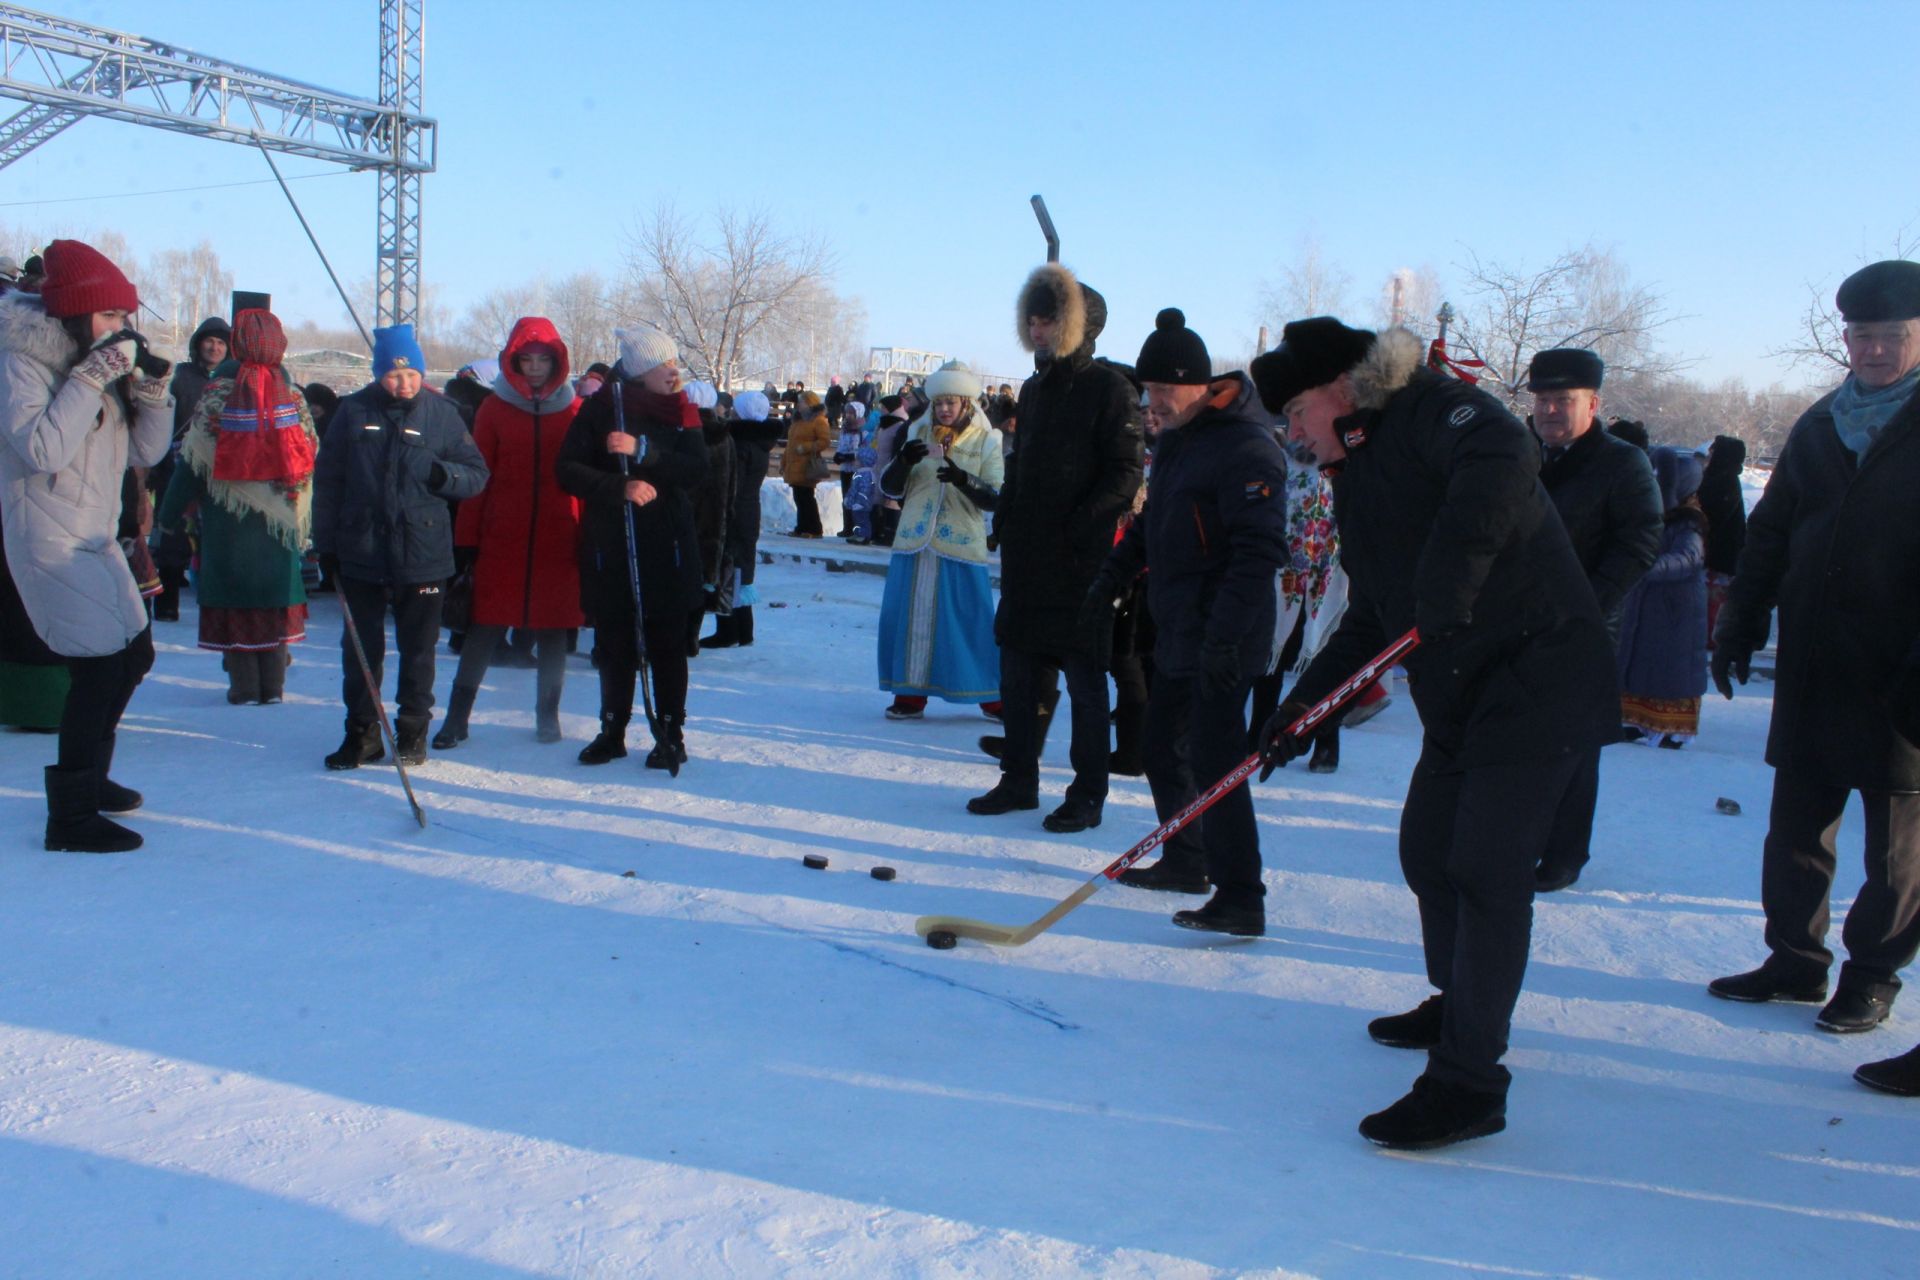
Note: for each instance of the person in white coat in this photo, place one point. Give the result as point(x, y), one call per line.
point(80, 402)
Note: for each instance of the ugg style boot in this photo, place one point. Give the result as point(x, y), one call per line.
point(549, 681)
point(113, 797)
point(273, 674)
point(453, 730)
point(74, 824)
point(243, 676)
point(362, 746)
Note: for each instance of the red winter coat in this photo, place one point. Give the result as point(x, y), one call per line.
point(525, 527)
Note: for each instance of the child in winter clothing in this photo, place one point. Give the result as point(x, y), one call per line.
point(862, 493)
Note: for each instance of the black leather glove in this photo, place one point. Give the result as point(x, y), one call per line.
point(1905, 704)
point(1277, 746)
point(1732, 660)
point(913, 451)
point(1219, 667)
point(464, 558)
point(950, 474)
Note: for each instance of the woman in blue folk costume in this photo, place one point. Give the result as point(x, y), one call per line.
point(936, 619)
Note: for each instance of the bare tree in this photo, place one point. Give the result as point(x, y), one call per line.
point(1583, 298)
point(585, 310)
point(1818, 348)
point(717, 297)
point(185, 287)
point(1310, 286)
point(485, 327)
point(1411, 296)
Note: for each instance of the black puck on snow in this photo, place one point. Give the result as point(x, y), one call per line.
point(815, 861)
point(941, 940)
point(881, 873)
point(1729, 807)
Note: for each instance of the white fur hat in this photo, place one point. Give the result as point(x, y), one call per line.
point(642, 350)
point(752, 405)
point(702, 394)
point(954, 378)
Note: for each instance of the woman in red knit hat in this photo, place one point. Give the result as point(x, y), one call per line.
point(79, 402)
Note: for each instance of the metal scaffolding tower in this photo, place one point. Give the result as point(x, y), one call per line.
point(68, 70)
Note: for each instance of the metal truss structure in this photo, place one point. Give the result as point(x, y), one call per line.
point(66, 70)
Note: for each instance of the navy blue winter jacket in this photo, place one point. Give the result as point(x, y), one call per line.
point(385, 473)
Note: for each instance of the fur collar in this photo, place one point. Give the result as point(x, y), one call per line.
point(1396, 355)
point(26, 329)
point(1063, 298)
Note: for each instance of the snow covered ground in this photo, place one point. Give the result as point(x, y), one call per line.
point(592, 1022)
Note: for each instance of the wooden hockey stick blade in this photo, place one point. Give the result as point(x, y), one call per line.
point(1001, 935)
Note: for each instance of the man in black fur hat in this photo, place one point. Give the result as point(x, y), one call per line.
point(1074, 470)
point(1444, 526)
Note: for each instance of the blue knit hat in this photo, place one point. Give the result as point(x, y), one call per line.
point(395, 348)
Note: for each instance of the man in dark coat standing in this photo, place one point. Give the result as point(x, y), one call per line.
point(394, 454)
point(1073, 474)
point(174, 556)
point(1610, 503)
point(1834, 544)
point(1212, 540)
point(1444, 525)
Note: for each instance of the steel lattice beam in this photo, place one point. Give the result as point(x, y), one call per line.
point(25, 130)
point(403, 36)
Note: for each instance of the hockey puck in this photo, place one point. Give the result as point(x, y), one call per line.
point(881, 873)
point(1729, 807)
point(815, 861)
point(941, 940)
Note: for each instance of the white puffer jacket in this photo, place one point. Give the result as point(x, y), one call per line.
point(64, 448)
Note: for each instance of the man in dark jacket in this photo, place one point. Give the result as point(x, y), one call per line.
point(207, 348)
point(1072, 476)
point(393, 456)
point(1211, 540)
point(1607, 498)
point(1835, 544)
point(1444, 526)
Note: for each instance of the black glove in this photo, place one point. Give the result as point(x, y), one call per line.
point(1732, 660)
point(464, 558)
point(1277, 746)
point(950, 474)
point(329, 566)
point(1905, 704)
point(913, 451)
point(144, 359)
point(1219, 667)
point(1095, 627)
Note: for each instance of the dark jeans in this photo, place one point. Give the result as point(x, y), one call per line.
point(1882, 930)
point(97, 696)
point(1193, 740)
point(416, 630)
point(1025, 679)
point(1572, 833)
point(1469, 842)
point(807, 511)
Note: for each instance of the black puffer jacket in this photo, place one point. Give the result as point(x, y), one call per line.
point(1444, 524)
point(667, 549)
point(1609, 501)
point(381, 485)
point(1836, 545)
point(1213, 535)
point(752, 449)
point(1075, 467)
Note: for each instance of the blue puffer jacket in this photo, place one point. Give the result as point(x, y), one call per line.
point(1213, 534)
point(1663, 628)
point(381, 485)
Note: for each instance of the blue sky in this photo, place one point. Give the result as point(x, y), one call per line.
point(1729, 153)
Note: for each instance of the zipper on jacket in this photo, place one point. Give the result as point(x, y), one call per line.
point(533, 525)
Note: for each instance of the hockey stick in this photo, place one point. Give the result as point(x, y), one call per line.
point(633, 580)
point(1008, 936)
point(379, 707)
point(1046, 229)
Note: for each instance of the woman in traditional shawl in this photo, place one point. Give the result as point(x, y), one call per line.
point(246, 464)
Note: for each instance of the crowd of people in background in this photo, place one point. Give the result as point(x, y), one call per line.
point(1203, 557)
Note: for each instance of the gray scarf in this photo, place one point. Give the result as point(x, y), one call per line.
point(1861, 414)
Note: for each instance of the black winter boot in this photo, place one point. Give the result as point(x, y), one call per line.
point(1417, 1028)
point(1243, 915)
point(453, 729)
point(742, 616)
point(1171, 874)
point(362, 746)
point(1899, 1075)
point(724, 633)
point(243, 676)
point(113, 797)
point(1129, 730)
point(74, 824)
point(670, 752)
point(410, 739)
point(1326, 753)
point(1005, 797)
point(612, 742)
point(1436, 1114)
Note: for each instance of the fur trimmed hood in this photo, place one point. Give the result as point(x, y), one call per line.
point(1397, 354)
point(1053, 289)
point(26, 329)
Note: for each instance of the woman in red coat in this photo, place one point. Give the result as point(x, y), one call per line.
point(519, 535)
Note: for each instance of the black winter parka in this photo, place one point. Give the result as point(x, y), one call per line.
point(1213, 535)
point(381, 485)
point(1444, 524)
point(1835, 544)
point(1604, 490)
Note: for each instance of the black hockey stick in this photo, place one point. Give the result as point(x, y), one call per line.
point(633, 580)
point(379, 707)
